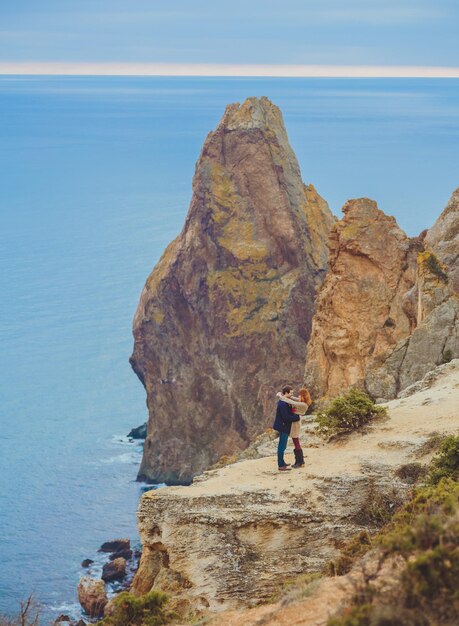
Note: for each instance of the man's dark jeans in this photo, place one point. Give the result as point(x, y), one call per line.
point(283, 439)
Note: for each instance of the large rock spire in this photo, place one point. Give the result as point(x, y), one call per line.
point(224, 317)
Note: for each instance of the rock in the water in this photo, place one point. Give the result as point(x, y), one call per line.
point(125, 554)
point(224, 317)
point(363, 308)
point(86, 562)
point(62, 620)
point(140, 432)
point(92, 596)
point(114, 570)
point(115, 545)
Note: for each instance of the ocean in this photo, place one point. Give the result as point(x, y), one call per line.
point(95, 182)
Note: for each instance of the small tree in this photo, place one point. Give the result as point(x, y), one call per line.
point(29, 614)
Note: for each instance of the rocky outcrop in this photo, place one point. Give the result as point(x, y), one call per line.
point(443, 240)
point(387, 312)
point(230, 538)
point(92, 596)
point(139, 432)
point(313, 603)
point(115, 545)
point(435, 338)
point(226, 314)
point(364, 307)
point(114, 570)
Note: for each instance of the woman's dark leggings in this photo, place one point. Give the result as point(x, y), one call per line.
point(296, 443)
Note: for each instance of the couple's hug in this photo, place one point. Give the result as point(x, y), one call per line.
point(287, 423)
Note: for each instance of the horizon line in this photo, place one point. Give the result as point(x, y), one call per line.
point(55, 68)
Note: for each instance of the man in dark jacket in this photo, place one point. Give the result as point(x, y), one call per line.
point(283, 423)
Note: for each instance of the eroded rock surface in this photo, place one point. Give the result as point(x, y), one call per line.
point(364, 307)
point(388, 309)
point(435, 339)
point(443, 239)
point(92, 596)
point(225, 316)
point(240, 530)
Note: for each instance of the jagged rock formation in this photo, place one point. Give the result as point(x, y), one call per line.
point(436, 292)
point(225, 316)
point(92, 596)
point(388, 310)
point(315, 603)
point(231, 537)
point(443, 239)
point(362, 308)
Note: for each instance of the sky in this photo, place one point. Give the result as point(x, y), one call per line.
point(198, 33)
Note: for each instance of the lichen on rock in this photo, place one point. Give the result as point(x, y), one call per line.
point(224, 318)
point(435, 338)
point(387, 312)
point(361, 310)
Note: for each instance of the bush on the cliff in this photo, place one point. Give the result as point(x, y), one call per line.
point(425, 533)
point(429, 260)
point(431, 444)
point(446, 463)
point(347, 413)
point(421, 524)
point(350, 552)
point(146, 610)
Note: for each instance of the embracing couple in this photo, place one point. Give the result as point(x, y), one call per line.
point(287, 423)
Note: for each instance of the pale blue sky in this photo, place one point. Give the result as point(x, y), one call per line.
point(355, 32)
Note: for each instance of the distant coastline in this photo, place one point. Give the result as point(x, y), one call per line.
point(55, 68)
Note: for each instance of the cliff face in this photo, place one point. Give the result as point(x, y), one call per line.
point(436, 294)
point(443, 240)
point(388, 310)
point(363, 308)
point(224, 317)
point(237, 532)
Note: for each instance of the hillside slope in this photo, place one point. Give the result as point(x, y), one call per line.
point(239, 530)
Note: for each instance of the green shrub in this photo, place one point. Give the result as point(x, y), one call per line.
point(297, 588)
point(425, 531)
point(431, 444)
point(421, 523)
point(446, 463)
point(431, 581)
point(434, 265)
point(146, 610)
point(348, 413)
point(356, 547)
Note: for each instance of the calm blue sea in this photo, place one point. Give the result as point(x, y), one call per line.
point(95, 181)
